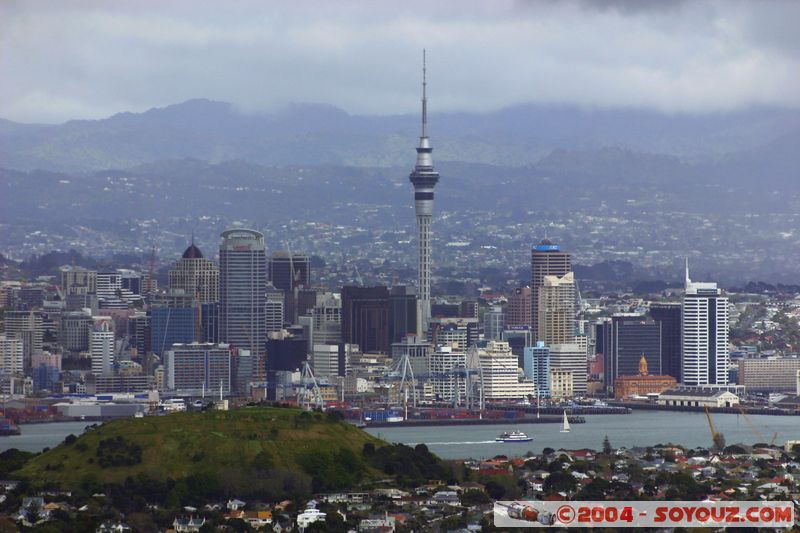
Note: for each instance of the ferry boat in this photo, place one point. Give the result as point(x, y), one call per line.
point(513, 436)
point(7, 427)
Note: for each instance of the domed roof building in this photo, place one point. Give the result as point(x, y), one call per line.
point(195, 275)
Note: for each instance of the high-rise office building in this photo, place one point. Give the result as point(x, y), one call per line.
point(494, 322)
point(10, 355)
point(110, 292)
point(705, 360)
point(572, 358)
point(195, 275)
point(556, 310)
point(447, 384)
point(365, 318)
point(326, 318)
point(769, 374)
point(468, 309)
point(547, 259)
point(275, 309)
point(75, 327)
point(331, 360)
point(242, 291)
point(27, 326)
point(101, 345)
point(501, 379)
point(28, 298)
point(171, 325)
point(290, 273)
point(630, 337)
point(448, 331)
point(78, 280)
point(669, 315)
point(537, 368)
point(424, 179)
point(132, 281)
point(193, 368)
point(519, 308)
point(139, 333)
point(519, 338)
point(402, 313)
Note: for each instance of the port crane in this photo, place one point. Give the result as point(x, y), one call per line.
point(717, 438)
point(308, 393)
point(754, 429)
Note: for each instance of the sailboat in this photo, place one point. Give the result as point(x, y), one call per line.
point(565, 425)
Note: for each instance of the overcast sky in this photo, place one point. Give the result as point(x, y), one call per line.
point(61, 60)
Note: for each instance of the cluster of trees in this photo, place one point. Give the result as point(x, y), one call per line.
point(411, 466)
point(118, 452)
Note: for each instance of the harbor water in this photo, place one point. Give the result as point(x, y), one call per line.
point(640, 428)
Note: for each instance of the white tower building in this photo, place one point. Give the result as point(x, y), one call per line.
point(101, 346)
point(424, 179)
point(705, 359)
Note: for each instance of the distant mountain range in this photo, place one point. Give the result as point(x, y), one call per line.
point(308, 134)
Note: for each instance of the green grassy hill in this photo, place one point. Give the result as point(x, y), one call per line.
point(202, 445)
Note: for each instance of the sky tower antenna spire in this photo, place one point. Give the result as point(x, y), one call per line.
point(424, 95)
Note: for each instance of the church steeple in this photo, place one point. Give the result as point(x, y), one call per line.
point(643, 366)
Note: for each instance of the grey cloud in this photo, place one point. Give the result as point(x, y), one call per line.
point(90, 59)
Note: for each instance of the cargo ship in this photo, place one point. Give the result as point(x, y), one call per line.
point(7, 427)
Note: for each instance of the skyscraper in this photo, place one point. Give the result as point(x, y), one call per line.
point(556, 310)
point(290, 272)
point(101, 346)
point(274, 308)
point(402, 313)
point(537, 368)
point(242, 290)
point(705, 359)
point(630, 337)
point(78, 280)
point(194, 368)
point(571, 358)
point(494, 322)
point(501, 373)
point(11, 360)
point(520, 306)
point(365, 318)
point(27, 326)
point(547, 259)
point(424, 179)
point(196, 275)
point(669, 314)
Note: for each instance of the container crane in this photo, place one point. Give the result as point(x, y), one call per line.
point(717, 438)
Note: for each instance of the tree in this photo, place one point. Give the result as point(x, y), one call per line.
point(559, 482)
point(33, 512)
point(607, 449)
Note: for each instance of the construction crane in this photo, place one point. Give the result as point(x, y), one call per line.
point(752, 426)
point(755, 430)
point(717, 438)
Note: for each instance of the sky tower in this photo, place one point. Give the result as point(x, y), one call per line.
point(424, 179)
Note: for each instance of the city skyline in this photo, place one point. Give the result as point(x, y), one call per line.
point(218, 312)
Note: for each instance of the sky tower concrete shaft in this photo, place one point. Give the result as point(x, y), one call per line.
point(424, 179)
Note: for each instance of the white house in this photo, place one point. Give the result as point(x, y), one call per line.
point(308, 517)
